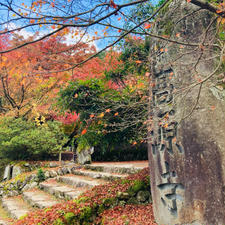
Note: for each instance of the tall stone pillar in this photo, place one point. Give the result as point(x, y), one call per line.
point(187, 143)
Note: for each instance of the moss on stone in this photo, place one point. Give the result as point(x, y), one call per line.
point(137, 186)
point(58, 222)
point(69, 217)
point(86, 214)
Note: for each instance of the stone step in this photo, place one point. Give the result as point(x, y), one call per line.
point(39, 199)
point(99, 175)
point(16, 207)
point(114, 168)
point(80, 181)
point(3, 222)
point(60, 190)
point(4, 217)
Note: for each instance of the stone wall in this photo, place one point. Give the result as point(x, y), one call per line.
point(24, 182)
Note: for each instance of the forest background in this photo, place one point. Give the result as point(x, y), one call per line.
point(46, 106)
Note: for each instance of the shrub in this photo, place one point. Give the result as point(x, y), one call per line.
point(108, 118)
point(40, 175)
point(69, 217)
point(21, 139)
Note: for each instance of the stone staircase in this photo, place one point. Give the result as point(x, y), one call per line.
point(62, 188)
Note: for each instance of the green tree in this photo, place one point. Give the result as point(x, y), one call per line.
point(22, 140)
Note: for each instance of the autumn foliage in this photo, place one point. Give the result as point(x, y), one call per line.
point(128, 214)
point(31, 77)
point(92, 203)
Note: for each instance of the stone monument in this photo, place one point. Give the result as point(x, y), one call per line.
point(187, 140)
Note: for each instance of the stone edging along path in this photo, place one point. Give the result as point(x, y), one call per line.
point(20, 196)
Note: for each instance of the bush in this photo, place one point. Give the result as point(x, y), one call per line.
point(40, 175)
point(108, 118)
point(21, 139)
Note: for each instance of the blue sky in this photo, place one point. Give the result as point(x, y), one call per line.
point(23, 7)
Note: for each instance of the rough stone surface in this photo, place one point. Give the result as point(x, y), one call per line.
point(78, 181)
point(60, 190)
point(53, 173)
point(84, 157)
point(143, 196)
point(187, 151)
point(53, 164)
point(59, 172)
point(98, 175)
point(3, 222)
point(47, 174)
point(39, 199)
point(30, 186)
point(15, 207)
point(65, 170)
point(110, 168)
point(16, 170)
point(123, 195)
point(7, 173)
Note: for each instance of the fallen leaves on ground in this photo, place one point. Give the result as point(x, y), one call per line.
point(129, 214)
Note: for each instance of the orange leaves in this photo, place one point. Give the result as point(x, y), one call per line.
point(65, 31)
point(219, 11)
point(112, 4)
point(147, 74)
point(221, 8)
point(92, 116)
point(171, 75)
point(119, 19)
point(101, 115)
point(163, 50)
point(84, 131)
point(116, 114)
point(165, 125)
point(138, 61)
point(107, 110)
point(147, 26)
point(32, 21)
point(221, 20)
